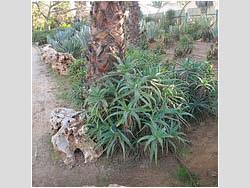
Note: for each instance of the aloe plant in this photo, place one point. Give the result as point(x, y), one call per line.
point(145, 102)
point(152, 29)
point(184, 46)
point(71, 40)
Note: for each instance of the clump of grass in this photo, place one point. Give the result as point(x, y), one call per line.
point(189, 179)
point(77, 73)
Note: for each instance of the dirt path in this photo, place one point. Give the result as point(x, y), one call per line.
point(49, 170)
point(201, 157)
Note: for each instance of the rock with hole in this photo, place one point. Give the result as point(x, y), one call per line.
point(70, 134)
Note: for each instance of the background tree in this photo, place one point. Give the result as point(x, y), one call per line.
point(133, 23)
point(50, 14)
point(81, 10)
point(159, 5)
point(108, 41)
point(204, 5)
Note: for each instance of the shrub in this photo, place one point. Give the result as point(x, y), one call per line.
point(167, 39)
point(145, 103)
point(167, 20)
point(190, 28)
point(152, 30)
point(132, 105)
point(174, 31)
point(144, 56)
point(201, 81)
point(143, 43)
point(40, 37)
point(201, 28)
point(70, 40)
point(205, 29)
point(184, 46)
point(77, 73)
point(212, 54)
point(148, 19)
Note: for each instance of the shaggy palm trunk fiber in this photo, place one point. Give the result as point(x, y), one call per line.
point(108, 41)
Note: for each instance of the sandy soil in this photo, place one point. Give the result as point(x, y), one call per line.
point(49, 170)
point(201, 157)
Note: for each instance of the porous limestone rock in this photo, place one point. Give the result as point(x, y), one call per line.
point(59, 61)
point(70, 134)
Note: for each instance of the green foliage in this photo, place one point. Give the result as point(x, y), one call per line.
point(48, 15)
point(167, 20)
point(40, 37)
point(174, 31)
point(71, 40)
point(144, 102)
point(158, 4)
point(205, 31)
point(152, 29)
point(212, 54)
point(187, 178)
point(184, 46)
point(215, 32)
point(143, 56)
point(190, 28)
point(143, 44)
point(168, 40)
point(77, 72)
point(201, 28)
point(148, 19)
point(82, 25)
point(202, 84)
point(160, 48)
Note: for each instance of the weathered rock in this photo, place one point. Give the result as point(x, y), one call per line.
point(70, 134)
point(59, 61)
point(48, 53)
point(58, 114)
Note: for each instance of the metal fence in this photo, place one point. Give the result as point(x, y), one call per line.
point(190, 15)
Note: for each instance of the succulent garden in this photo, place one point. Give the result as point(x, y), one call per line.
point(135, 77)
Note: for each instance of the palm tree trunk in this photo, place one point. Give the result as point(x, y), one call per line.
point(133, 23)
point(107, 32)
